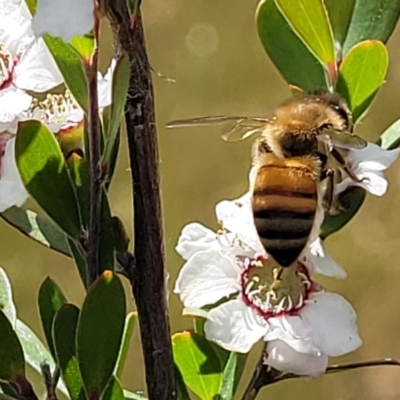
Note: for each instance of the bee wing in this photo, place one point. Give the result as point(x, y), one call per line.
point(233, 127)
point(345, 140)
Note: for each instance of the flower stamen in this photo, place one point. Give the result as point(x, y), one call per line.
point(6, 66)
point(272, 290)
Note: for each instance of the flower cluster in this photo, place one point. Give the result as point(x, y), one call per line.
point(27, 69)
point(301, 323)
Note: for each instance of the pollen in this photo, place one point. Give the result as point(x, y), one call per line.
point(54, 109)
point(271, 289)
point(6, 66)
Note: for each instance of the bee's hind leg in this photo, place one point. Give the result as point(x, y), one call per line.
point(330, 201)
point(342, 162)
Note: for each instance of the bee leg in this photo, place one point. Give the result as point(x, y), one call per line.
point(330, 201)
point(339, 158)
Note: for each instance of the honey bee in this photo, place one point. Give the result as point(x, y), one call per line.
point(302, 145)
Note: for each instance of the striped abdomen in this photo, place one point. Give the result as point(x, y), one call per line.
point(284, 206)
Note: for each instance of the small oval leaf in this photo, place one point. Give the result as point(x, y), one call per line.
point(70, 64)
point(291, 57)
point(35, 352)
point(64, 334)
point(41, 229)
point(352, 199)
point(12, 363)
point(340, 13)
point(309, 20)
point(198, 363)
point(120, 83)
point(390, 139)
point(6, 300)
point(45, 176)
point(113, 390)
point(361, 74)
point(371, 20)
point(100, 330)
point(51, 298)
point(130, 322)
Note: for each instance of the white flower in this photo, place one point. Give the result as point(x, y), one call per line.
point(61, 112)
point(302, 324)
point(25, 61)
point(64, 18)
point(12, 190)
point(368, 165)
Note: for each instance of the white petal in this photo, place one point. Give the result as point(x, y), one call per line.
point(237, 217)
point(320, 262)
point(64, 18)
point(234, 326)
point(12, 103)
point(375, 183)
point(283, 358)
point(13, 28)
point(292, 330)
point(36, 70)
point(207, 277)
point(12, 190)
point(195, 237)
point(9, 7)
point(332, 321)
point(373, 157)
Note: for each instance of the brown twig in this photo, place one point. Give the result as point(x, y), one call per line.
point(148, 274)
point(263, 375)
point(50, 381)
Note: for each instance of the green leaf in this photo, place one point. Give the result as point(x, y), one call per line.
point(7, 305)
point(309, 20)
point(113, 390)
point(120, 84)
point(64, 334)
point(292, 58)
point(361, 74)
point(70, 64)
point(351, 200)
point(228, 378)
point(107, 242)
point(45, 176)
point(100, 330)
point(340, 13)
point(198, 363)
point(7, 397)
point(40, 229)
point(130, 322)
point(12, 363)
point(79, 172)
point(51, 298)
point(121, 239)
point(371, 20)
point(79, 261)
point(9, 390)
point(181, 390)
point(390, 139)
point(84, 45)
point(78, 168)
point(31, 5)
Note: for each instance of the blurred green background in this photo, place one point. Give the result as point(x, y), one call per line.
point(212, 51)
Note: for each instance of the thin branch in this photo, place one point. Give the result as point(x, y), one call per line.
point(50, 381)
point(148, 274)
point(93, 243)
point(263, 375)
